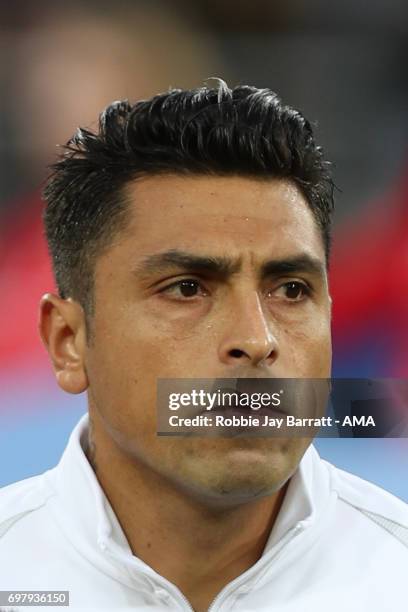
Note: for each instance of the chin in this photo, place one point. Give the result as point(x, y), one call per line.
point(238, 479)
point(232, 493)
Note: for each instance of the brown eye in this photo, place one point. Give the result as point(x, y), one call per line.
point(185, 288)
point(294, 290)
point(188, 288)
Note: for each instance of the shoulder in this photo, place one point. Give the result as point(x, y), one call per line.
point(372, 502)
point(21, 499)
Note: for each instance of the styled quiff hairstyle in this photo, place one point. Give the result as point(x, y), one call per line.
point(244, 131)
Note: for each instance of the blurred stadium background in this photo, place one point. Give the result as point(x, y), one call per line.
point(344, 64)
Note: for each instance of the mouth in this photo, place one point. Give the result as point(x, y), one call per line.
point(235, 410)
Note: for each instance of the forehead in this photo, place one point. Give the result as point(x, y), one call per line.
point(229, 214)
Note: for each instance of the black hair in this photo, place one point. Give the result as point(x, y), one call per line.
point(242, 131)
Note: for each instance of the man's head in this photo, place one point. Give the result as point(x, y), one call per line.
point(190, 238)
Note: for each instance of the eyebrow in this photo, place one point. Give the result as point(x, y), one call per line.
point(224, 267)
point(298, 263)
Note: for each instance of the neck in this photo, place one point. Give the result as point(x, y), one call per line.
point(198, 548)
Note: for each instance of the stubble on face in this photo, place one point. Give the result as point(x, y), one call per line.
point(144, 329)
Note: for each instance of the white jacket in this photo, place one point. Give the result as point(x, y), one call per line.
point(339, 544)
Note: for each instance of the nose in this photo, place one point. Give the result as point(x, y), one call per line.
point(248, 339)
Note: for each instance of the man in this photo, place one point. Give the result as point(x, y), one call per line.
point(190, 238)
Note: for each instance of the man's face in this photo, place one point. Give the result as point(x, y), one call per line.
point(246, 320)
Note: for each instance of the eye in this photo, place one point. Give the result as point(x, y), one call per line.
point(184, 289)
point(293, 291)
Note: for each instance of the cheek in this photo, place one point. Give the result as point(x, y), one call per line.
point(307, 349)
point(123, 365)
point(166, 342)
point(124, 395)
point(178, 334)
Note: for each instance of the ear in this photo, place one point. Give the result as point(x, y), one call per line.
point(63, 332)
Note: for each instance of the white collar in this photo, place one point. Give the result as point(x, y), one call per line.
point(90, 519)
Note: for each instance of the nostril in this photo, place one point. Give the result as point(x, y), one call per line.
point(236, 353)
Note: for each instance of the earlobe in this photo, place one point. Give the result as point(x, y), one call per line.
point(63, 332)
